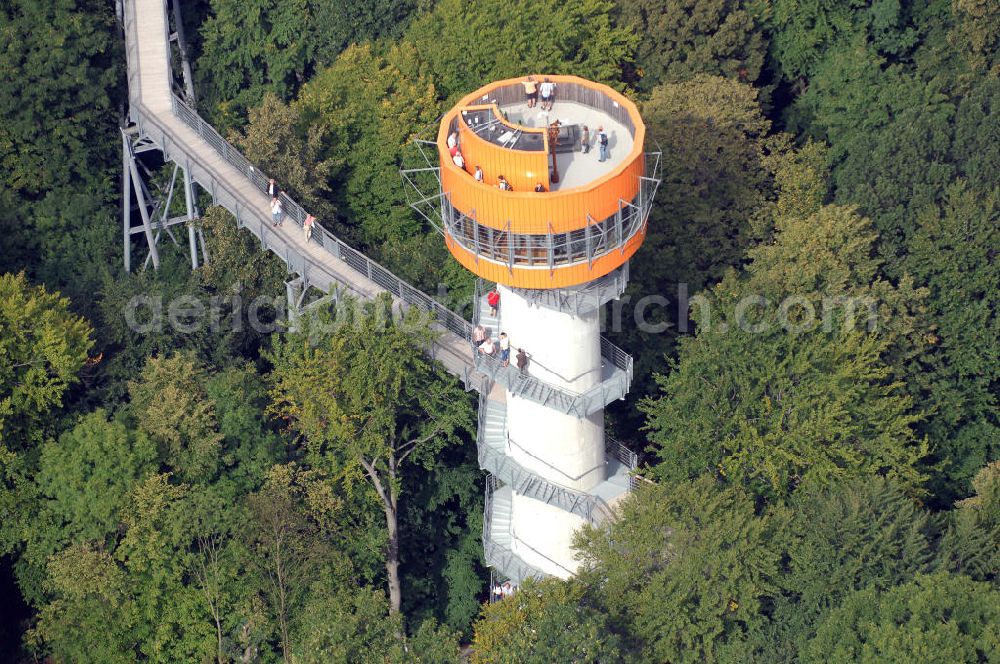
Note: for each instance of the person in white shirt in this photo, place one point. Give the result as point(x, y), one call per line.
point(548, 92)
point(504, 349)
point(459, 160)
point(452, 139)
point(478, 174)
point(275, 211)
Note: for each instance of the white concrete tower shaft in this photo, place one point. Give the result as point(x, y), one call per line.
point(565, 352)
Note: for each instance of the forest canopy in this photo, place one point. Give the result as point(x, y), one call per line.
point(817, 419)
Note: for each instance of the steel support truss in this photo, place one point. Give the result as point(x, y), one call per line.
point(154, 206)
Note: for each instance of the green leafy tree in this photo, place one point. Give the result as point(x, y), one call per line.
point(61, 71)
point(952, 252)
point(155, 554)
point(441, 540)
point(782, 384)
point(43, 346)
point(250, 445)
point(713, 135)
point(528, 36)
point(847, 536)
point(971, 541)
point(682, 38)
point(977, 32)
point(158, 312)
point(369, 107)
point(339, 24)
point(684, 570)
point(839, 539)
point(547, 621)
point(170, 404)
point(368, 404)
point(92, 615)
point(279, 141)
point(349, 624)
point(80, 485)
point(940, 618)
point(60, 65)
point(289, 520)
point(803, 34)
point(238, 267)
point(250, 48)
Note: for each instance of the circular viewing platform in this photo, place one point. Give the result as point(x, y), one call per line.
point(566, 216)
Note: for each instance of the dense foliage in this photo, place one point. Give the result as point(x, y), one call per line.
point(817, 408)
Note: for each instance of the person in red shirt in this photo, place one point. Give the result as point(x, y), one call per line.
point(493, 299)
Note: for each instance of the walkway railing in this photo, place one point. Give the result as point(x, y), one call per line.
point(354, 259)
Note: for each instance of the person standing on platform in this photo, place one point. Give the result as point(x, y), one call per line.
point(276, 211)
point(493, 299)
point(503, 184)
point(272, 189)
point(548, 90)
point(530, 91)
point(307, 226)
point(478, 174)
point(585, 140)
point(602, 143)
point(504, 349)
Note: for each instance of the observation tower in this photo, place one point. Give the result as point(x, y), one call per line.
point(557, 256)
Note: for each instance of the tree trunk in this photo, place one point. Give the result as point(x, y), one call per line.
point(387, 493)
point(392, 556)
point(392, 560)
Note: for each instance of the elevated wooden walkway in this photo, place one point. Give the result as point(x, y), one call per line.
point(324, 262)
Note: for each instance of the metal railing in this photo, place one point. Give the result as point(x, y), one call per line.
point(527, 386)
point(616, 450)
point(585, 244)
point(583, 299)
point(523, 384)
point(336, 247)
point(501, 555)
point(527, 483)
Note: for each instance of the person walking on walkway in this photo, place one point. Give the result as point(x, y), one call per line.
point(272, 189)
point(478, 335)
point(307, 226)
point(602, 143)
point(522, 360)
point(275, 211)
point(493, 299)
point(504, 349)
